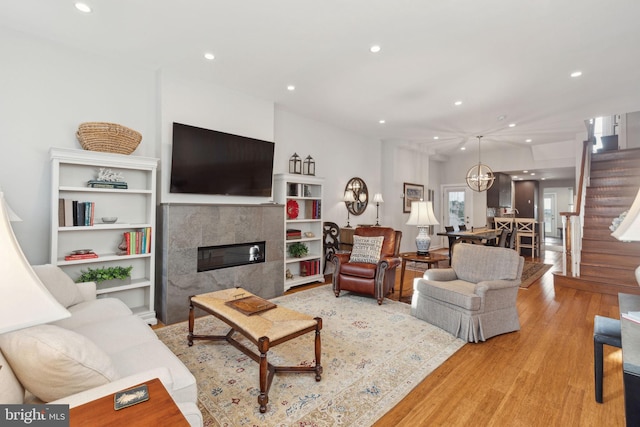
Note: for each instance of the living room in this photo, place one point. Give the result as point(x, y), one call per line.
point(50, 86)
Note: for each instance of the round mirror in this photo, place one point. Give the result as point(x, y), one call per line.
point(360, 196)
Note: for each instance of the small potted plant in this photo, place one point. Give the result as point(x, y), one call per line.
point(107, 276)
point(298, 250)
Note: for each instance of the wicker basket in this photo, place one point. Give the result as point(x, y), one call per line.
point(108, 137)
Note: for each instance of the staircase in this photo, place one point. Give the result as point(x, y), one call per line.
point(608, 265)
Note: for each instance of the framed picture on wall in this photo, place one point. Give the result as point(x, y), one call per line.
point(412, 193)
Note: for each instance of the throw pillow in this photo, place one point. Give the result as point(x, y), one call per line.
point(366, 249)
point(59, 284)
point(52, 362)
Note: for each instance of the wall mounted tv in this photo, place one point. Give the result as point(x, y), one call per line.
point(206, 161)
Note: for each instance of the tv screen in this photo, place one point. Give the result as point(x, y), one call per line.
point(211, 162)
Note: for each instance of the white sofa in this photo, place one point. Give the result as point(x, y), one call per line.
point(102, 348)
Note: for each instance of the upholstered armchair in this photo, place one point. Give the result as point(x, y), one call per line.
point(370, 268)
point(474, 299)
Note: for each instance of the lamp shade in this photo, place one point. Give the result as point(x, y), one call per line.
point(24, 300)
point(629, 228)
point(377, 198)
point(349, 197)
point(422, 214)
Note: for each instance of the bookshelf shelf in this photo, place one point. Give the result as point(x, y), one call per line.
point(306, 192)
point(134, 207)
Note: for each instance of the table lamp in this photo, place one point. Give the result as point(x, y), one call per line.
point(348, 198)
point(377, 199)
point(24, 300)
point(422, 216)
point(629, 228)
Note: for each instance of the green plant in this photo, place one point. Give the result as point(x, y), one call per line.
point(104, 273)
point(298, 250)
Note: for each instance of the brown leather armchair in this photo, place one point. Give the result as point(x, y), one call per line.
point(369, 279)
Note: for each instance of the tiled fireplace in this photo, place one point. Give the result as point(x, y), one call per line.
point(189, 232)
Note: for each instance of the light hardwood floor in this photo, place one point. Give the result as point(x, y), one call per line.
point(539, 376)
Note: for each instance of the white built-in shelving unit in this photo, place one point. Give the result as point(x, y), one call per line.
point(135, 208)
point(302, 197)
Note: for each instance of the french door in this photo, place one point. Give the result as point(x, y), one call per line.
point(456, 205)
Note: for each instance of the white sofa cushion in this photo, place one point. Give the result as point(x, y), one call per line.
point(366, 249)
point(114, 335)
point(59, 284)
point(52, 362)
point(155, 354)
point(94, 311)
point(11, 391)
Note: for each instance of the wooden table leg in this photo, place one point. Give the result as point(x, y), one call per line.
point(263, 398)
point(404, 264)
point(318, 349)
point(191, 323)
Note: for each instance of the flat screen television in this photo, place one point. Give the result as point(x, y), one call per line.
point(205, 161)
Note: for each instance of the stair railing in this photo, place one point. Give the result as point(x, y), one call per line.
point(572, 222)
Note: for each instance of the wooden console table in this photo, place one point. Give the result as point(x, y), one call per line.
point(159, 410)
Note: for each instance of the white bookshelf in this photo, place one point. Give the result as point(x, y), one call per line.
point(305, 191)
point(135, 208)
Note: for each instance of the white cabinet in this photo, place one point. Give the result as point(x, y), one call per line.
point(302, 197)
point(134, 207)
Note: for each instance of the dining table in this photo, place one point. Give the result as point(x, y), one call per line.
point(476, 236)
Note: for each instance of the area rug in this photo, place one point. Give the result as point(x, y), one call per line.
point(372, 356)
point(532, 271)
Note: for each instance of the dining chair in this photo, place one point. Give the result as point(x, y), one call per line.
point(501, 223)
point(527, 236)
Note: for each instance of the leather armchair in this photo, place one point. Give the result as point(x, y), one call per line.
point(369, 279)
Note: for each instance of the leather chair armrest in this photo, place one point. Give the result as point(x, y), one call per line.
point(392, 262)
point(440, 274)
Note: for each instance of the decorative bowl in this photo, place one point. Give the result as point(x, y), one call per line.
point(109, 219)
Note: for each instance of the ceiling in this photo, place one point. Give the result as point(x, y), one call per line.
point(507, 61)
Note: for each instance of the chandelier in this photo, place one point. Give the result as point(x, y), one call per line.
point(480, 177)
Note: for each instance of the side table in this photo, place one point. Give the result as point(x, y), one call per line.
point(430, 259)
point(159, 410)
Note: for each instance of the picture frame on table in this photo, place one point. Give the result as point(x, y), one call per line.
point(411, 193)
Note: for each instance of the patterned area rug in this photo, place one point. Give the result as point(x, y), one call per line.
point(532, 271)
point(372, 356)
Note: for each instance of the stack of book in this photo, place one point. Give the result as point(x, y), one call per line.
point(107, 184)
point(293, 234)
point(310, 268)
point(312, 209)
point(78, 255)
point(138, 242)
point(72, 213)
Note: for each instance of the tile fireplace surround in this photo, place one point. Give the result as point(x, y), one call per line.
point(182, 228)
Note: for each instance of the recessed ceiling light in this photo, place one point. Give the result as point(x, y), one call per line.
point(291, 88)
point(576, 74)
point(463, 148)
point(382, 121)
point(542, 179)
point(515, 176)
point(528, 140)
point(532, 173)
point(512, 125)
point(83, 7)
point(436, 137)
point(374, 49)
point(209, 56)
point(525, 171)
point(457, 103)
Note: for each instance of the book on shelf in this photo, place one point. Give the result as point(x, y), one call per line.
point(312, 209)
point(137, 242)
point(293, 234)
point(107, 184)
point(309, 268)
point(74, 257)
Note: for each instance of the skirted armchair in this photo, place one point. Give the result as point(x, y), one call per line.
point(474, 299)
point(370, 268)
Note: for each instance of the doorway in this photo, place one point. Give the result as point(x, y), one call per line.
point(456, 209)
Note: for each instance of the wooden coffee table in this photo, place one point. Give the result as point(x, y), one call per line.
point(430, 260)
point(265, 329)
